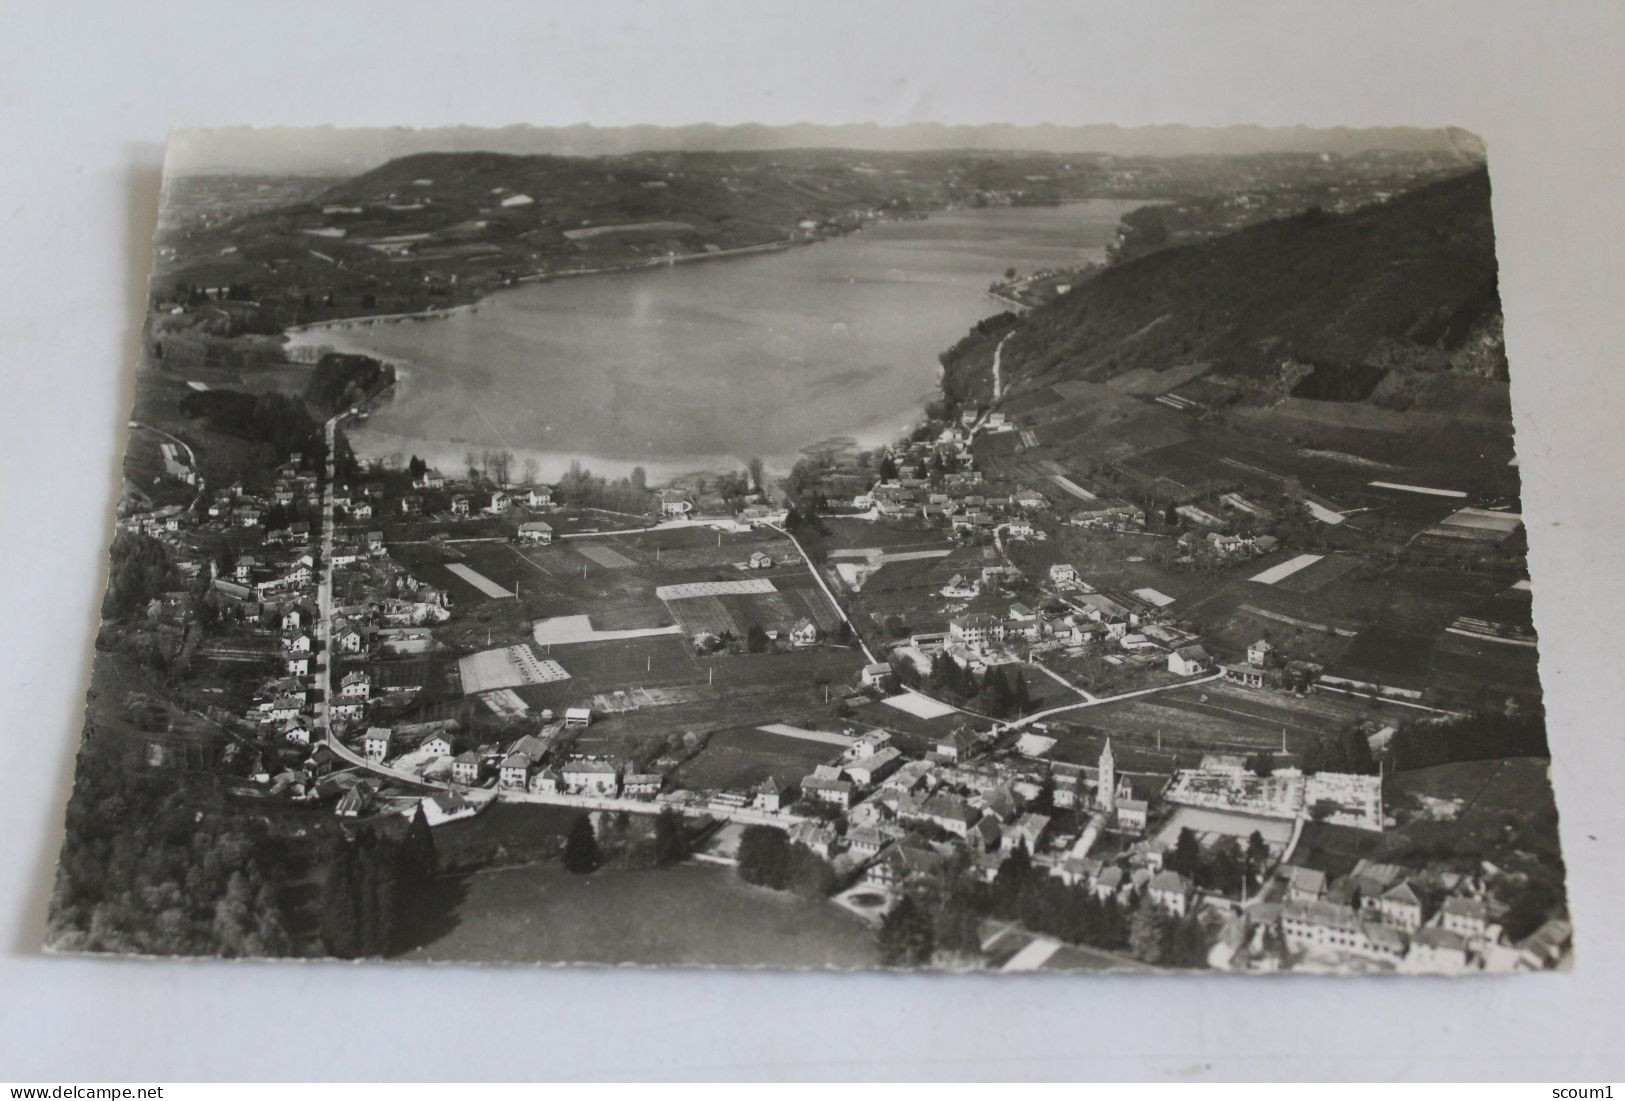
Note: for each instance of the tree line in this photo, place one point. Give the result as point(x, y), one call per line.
point(1483, 735)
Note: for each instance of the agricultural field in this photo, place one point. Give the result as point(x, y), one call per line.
point(733, 608)
point(1469, 672)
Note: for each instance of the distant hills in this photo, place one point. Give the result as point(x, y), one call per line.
point(334, 151)
point(1366, 306)
point(429, 229)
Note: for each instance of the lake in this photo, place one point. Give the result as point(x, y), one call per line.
point(699, 366)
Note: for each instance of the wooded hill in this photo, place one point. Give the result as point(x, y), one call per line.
point(1322, 306)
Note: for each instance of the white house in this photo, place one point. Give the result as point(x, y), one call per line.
point(465, 767)
point(1188, 661)
point(592, 777)
point(375, 743)
point(515, 771)
point(346, 710)
point(356, 685)
point(535, 531)
point(1171, 892)
point(770, 794)
point(976, 631)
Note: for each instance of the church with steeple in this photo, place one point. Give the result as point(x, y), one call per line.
point(1114, 795)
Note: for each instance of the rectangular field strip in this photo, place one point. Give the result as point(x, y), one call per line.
point(705, 615)
point(1286, 569)
point(508, 667)
point(478, 580)
point(1427, 490)
point(921, 707)
point(607, 557)
point(691, 589)
point(787, 731)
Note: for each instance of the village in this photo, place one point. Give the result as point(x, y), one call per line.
point(888, 657)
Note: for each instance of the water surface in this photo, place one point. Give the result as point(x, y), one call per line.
point(701, 365)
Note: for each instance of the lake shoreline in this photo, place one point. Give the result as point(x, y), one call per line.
point(441, 313)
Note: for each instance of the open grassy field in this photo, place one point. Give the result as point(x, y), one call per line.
point(690, 915)
point(742, 757)
point(1467, 672)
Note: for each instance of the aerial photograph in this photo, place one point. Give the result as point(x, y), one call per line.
point(956, 548)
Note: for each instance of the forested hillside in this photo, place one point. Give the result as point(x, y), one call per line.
point(1349, 307)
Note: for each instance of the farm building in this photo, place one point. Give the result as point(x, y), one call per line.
point(535, 531)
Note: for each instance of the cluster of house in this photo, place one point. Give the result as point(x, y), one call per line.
point(1387, 916)
point(677, 503)
point(960, 500)
point(466, 500)
point(1073, 617)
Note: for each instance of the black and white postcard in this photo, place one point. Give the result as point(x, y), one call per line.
point(981, 548)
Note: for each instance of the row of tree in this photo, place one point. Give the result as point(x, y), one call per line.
point(584, 489)
point(1483, 735)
